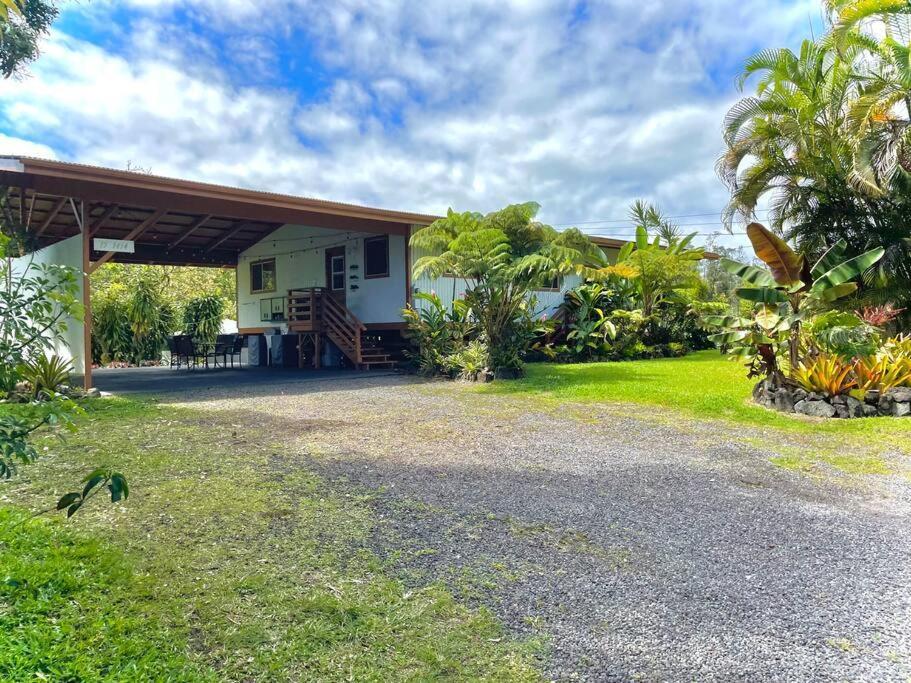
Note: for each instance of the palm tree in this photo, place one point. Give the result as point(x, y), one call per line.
point(876, 34)
point(792, 142)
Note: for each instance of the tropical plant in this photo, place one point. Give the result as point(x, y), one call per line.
point(470, 362)
point(661, 266)
point(202, 319)
point(46, 374)
point(825, 374)
point(37, 302)
point(879, 316)
point(588, 327)
point(783, 295)
point(898, 346)
point(435, 332)
point(503, 256)
point(797, 143)
point(112, 334)
point(881, 372)
point(22, 24)
point(843, 334)
point(877, 34)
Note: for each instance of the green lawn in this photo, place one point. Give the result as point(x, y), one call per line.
point(703, 385)
point(228, 562)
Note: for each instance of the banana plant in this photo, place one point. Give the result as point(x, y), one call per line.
point(783, 294)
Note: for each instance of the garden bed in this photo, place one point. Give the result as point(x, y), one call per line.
point(894, 402)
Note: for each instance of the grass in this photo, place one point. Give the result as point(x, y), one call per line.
point(705, 386)
point(229, 561)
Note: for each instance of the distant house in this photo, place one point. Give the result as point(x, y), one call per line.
point(331, 272)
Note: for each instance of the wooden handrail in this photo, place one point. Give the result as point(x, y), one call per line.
point(316, 306)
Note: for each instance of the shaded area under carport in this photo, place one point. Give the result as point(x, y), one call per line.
point(163, 380)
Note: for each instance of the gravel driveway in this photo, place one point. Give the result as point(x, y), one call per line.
point(634, 550)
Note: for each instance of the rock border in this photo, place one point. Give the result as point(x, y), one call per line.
point(894, 403)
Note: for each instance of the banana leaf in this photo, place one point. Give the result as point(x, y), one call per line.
point(783, 261)
point(749, 274)
point(833, 256)
point(848, 270)
point(730, 337)
point(761, 295)
point(727, 321)
point(837, 292)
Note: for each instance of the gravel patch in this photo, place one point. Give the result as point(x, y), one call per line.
point(636, 550)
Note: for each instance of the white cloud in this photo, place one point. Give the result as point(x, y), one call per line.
point(26, 148)
point(471, 104)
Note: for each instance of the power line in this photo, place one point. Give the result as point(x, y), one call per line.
point(629, 220)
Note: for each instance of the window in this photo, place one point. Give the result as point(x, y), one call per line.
point(376, 256)
point(554, 285)
point(262, 276)
point(338, 273)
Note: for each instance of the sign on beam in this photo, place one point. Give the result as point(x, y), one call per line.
point(119, 246)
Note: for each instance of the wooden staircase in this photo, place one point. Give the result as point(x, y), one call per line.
point(316, 313)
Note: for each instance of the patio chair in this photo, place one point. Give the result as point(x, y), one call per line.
point(224, 343)
point(235, 350)
point(185, 350)
point(172, 350)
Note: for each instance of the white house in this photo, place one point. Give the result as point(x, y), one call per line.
point(337, 275)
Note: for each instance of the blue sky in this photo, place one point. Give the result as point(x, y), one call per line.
point(581, 106)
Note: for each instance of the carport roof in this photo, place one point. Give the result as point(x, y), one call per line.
point(172, 221)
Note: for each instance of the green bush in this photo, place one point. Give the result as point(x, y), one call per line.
point(435, 333)
point(470, 362)
point(132, 325)
point(46, 374)
point(202, 319)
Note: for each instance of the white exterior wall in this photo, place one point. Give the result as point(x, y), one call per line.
point(65, 253)
point(300, 262)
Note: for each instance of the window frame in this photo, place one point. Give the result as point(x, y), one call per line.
point(377, 238)
point(559, 288)
point(262, 262)
point(333, 273)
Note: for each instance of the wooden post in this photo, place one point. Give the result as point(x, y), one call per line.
point(86, 299)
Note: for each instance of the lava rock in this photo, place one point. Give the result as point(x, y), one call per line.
point(815, 408)
point(900, 394)
point(784, 401)
point(855, 407)
point(901, 409)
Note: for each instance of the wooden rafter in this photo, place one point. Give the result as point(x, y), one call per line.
point(233, 232)
point(132, 235)
point(102, 219)
point(52, 214)
point(192, 228)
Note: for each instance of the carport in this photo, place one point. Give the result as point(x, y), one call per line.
point(131, 217)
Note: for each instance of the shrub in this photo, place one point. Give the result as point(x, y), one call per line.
point(826, 374)
point(470, 362)
point(842, 333)
point(35, 303)
point(111, 333)
point(46, 374)
point(882, 372)
point(202, 319)
point(435, 333)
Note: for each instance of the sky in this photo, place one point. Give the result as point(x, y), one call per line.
point(419, 106)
